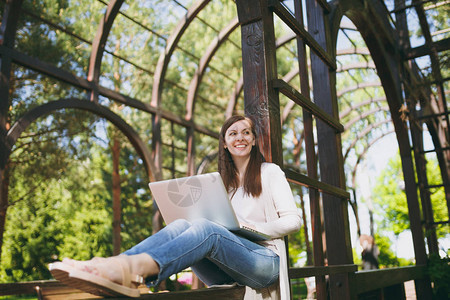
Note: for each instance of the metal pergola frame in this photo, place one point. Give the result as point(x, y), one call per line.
point(393, 59)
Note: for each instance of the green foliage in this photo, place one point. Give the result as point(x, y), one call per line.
point(392, 210)
point(50, 213)
point(297, 251)
point(390, 199)
point(356, 257)
point(297, 240)
point(299, 289)
point(137, 208)
point(387, 258)
point(437, 195)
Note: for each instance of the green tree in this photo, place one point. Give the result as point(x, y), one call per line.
point(391, 207)
point(42, 199)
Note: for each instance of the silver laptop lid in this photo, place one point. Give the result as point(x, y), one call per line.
point(199, 196)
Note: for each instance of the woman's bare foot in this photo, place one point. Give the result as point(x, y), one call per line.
point(140, 264)
point(78, 263)
point(108, 268)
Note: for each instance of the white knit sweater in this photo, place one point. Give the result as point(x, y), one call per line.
point(274, 213)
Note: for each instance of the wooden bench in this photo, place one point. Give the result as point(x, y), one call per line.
point(44, 289)
point(54, 290)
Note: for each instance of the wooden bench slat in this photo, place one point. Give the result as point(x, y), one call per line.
point(54, 290)
point(225, 293)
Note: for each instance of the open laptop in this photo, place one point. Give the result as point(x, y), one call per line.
point(199, 196)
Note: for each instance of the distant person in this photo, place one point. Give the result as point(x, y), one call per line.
point(370, 252)
point(261, 198)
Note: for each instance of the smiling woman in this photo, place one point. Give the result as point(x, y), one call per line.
point(313, 76)
point(239, 141)
point(262, 199)
point(235, 138)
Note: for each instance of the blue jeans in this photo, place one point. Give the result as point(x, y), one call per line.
point(216, 255)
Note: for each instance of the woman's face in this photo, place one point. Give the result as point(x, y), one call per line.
point(239, 139)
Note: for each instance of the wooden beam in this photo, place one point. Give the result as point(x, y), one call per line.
point(316, 184)
point(304, 272)
point(286, 16)
point(377, 279)
point(439, 46)
point(307, 104)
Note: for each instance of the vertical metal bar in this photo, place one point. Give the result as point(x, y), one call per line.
point(98, 46)
point(172, 152)
point(190, 145)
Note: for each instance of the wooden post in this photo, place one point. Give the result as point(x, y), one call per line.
point(311, 161)
point(260, 68)
point(337, 231)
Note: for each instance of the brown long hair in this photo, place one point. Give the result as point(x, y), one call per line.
point(227, 169)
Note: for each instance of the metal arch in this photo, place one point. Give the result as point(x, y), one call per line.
point(99, 43)
point(204, 62)
point(361, 116)
point(347, 26)
point(378, 36)
point(358, 65)
point(362, 154)
point(195, 83)
point(360, 157)
point(363, 133)
point(287, 109)
point(435, 125)
point(281, 42)
point(233, 98)
point(8, 31)
point(206, 161)
point(345, 113)
point(9, 23)
point(288, 77)
point(18, 127)
point(172, 42)
point(359, 86)
point(159, 75)
point(435, 69)
point(364, 115)
point(238, 89)
point(284, 40)
point(349, 51)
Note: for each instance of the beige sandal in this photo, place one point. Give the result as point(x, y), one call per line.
point(96, 284)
